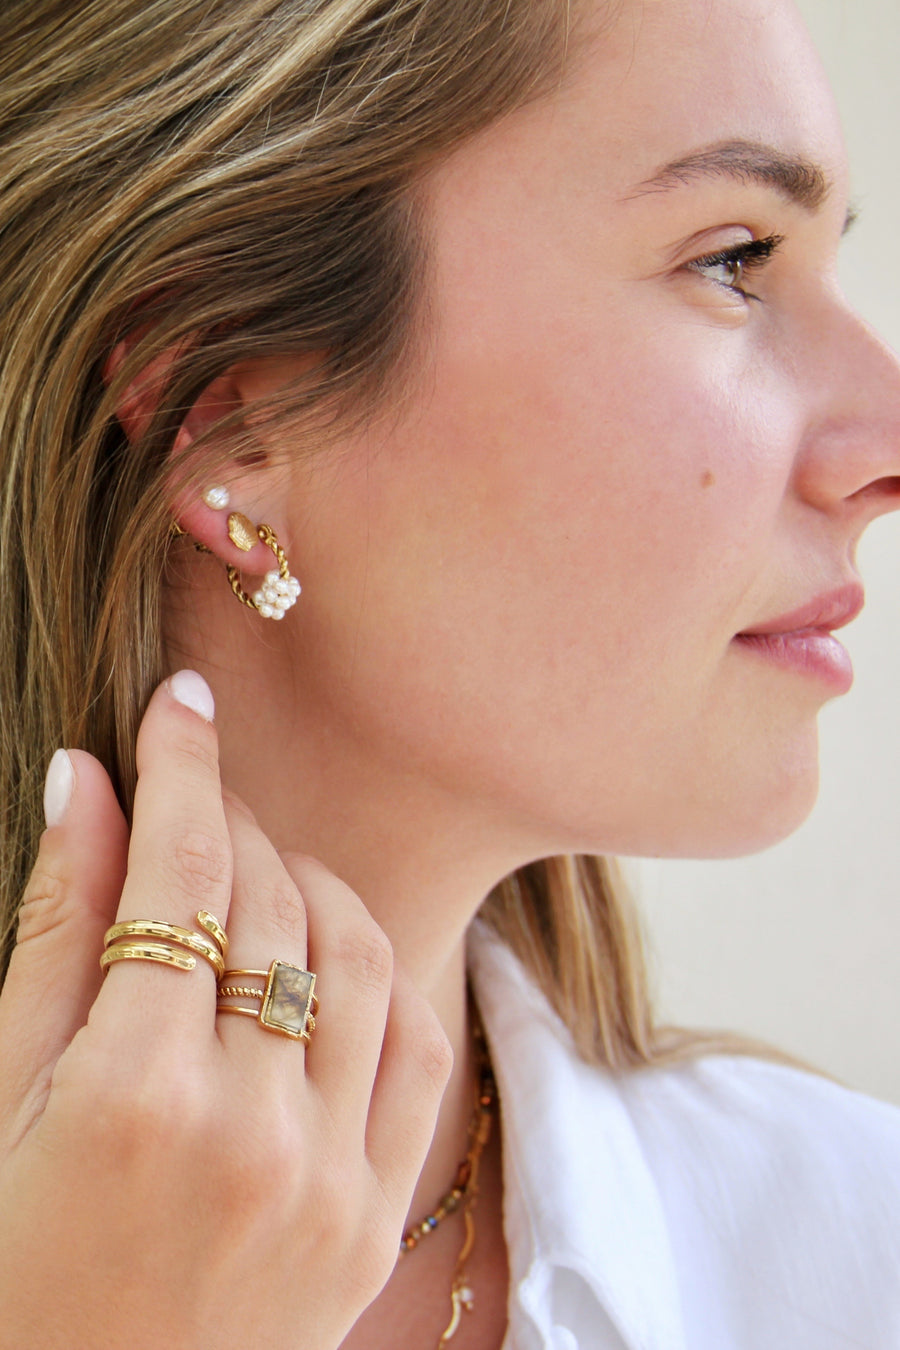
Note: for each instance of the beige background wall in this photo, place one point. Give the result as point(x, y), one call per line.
point(802, 944)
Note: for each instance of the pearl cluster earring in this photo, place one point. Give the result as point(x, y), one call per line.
point(279, 590)
point(276, 595)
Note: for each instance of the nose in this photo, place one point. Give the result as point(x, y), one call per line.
point(849, 460)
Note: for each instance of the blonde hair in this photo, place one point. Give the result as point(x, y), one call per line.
point(237, 169)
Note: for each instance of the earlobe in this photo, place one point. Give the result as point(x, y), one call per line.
point(279, 590)
point(239, 543)
point(210, 518)
point(194, 514)
point(201, 512)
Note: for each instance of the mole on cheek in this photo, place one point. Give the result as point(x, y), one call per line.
point(708, 478)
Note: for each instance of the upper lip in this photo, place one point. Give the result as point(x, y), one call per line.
point(823, 614)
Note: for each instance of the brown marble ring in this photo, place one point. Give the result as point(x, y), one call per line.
point(287, 1000)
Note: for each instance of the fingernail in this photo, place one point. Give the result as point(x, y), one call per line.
point(58, 787)
point(192, 690)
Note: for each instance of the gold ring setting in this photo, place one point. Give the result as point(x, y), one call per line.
point(285, 995)
point(287, 1000)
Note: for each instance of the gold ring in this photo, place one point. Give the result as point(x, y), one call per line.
point(161, 941)
point(147, 951)
point(211, 925)
point(288, 1001)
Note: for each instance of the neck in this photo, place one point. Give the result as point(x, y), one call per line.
point(420, 864)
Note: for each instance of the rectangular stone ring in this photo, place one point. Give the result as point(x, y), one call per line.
point(288, 1001)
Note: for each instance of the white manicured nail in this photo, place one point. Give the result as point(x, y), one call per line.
point(192, 690)
point(58, 787)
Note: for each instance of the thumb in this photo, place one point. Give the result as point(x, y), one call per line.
point(69, 902)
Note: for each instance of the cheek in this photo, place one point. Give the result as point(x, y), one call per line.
point(608, 483)
point(590, 437)
point(578, 514)
point(545, 563)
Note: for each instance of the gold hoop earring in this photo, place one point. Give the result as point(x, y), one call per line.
point(279, 590)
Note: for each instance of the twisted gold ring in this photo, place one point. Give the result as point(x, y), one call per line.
point(167, 943)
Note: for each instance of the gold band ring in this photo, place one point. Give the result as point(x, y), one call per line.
point(288, 1001)
point(211, 925)
point(148, 951)
point(167, 943)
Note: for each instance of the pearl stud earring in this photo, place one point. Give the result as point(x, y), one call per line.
point(217, 498)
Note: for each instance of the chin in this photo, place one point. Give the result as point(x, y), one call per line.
point(752, 820)
point(725, 814)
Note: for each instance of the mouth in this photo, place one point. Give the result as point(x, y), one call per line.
point(802, 640)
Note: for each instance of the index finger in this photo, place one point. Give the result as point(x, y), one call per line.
point(179, 857)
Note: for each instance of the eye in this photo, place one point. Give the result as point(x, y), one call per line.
point(728, 267)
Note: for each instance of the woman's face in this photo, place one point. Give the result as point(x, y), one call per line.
point(620, 454)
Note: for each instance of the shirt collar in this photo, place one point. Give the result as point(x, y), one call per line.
point(579, 1196)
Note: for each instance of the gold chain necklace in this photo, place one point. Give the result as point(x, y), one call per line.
point(464, 1192)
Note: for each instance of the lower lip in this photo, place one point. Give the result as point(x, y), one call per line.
point(812, 653)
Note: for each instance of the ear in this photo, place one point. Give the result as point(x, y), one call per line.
point(254, 487)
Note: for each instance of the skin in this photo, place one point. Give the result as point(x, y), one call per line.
point(610, 464)
point(522, 583)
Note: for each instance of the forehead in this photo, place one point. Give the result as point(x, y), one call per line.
point(650, 82)
point(663, 78)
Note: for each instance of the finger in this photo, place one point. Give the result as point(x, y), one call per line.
point(266, 922)
point(415, 1067)
point(353, 962)
point(179, 860)
point(70, 900)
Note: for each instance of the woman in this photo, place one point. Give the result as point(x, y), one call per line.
point(513, 335)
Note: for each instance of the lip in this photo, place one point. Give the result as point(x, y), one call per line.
point(824, 614)
point(801, 641)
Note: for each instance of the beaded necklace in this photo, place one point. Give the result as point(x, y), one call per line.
point(464, 1192)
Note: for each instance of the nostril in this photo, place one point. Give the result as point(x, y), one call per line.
point(888, 487)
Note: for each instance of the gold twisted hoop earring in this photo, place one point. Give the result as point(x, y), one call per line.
point(279, 590)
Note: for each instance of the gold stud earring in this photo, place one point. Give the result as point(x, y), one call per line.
point(279, 590)
point(242, 532)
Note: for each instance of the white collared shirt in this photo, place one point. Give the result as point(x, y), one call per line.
point(726, 1204)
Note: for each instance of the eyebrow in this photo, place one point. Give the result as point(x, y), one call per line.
point(796, 178)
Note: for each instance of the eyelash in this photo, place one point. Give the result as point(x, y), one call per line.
point(743, 257)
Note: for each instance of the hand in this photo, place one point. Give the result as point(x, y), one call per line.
point(173, 1178)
